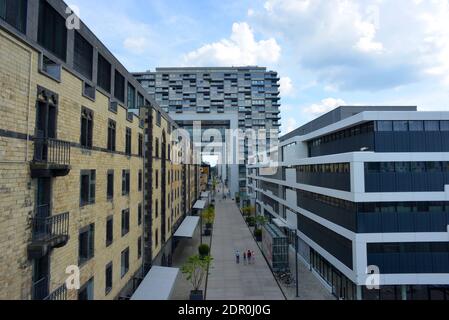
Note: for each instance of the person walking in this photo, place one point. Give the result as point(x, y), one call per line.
point(244, 257)
point(249, 256)
point(253, 256)
point(237, 256)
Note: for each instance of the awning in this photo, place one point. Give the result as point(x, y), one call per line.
point(157, 285)
point(200, 204)
point(280, 223)
point(205, 194)
point(187, 227)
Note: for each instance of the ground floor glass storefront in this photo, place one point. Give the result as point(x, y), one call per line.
point(342, 287)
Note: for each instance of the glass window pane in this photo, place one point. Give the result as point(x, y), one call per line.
point(384, 126)
point(416, 125)
point(432, 125)
point(400, 125)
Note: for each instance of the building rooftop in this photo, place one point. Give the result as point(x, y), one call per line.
point(339, 114)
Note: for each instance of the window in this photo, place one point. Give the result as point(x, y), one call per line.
point(158, 118)
point(87, 187)
point(444, 125)
point(51, 68)
point(140, 101)
point(109, 231)
point(140, 145)
point(112, 131)
point(431, 125)
point(124, 262)
point(139, 214)
point(384, 125)
point(82, 56)
point(108, 277)
point(156, 238)
point(156, 211)
point(128, 142)
point(140, 180)
point(104, 74)
point(86, 244)
point(131, 97)
point(52, 31)
point(110, 187)
point(125, 222)
point(139, 248)
point(416, 126)
point(14, 12)
point(125, 182)
point(89, 91)
point(119, 88)
point(87, 291)
point(87, 124)
point(156, 148)
point(400, 125)
point(156, 180)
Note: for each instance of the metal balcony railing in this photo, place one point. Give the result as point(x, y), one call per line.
point(41, 291)
point(48, 228)
point(52, 151)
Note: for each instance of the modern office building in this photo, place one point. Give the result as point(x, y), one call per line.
point(73, 158)
point(219, 98)
point(366, 188)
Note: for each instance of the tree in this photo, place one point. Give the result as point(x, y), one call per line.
point(261, 220)
point(195, 269)
point(209, 215)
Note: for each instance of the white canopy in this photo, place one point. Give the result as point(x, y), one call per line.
point(157, 285)
point(200, 204)
point(187, 227)
point(280, 223)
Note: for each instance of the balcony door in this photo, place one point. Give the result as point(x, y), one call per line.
point(45, 128)
point(41, 271)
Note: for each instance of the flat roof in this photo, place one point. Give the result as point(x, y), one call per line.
point(200, 204)
point(158, 284)
point(187, 227)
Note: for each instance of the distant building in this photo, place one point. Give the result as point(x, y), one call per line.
point(221, 98)
point(367, 190)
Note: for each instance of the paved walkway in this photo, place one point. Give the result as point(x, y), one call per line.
point(228, 280)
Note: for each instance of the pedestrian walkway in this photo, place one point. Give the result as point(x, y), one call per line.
point(228, 280)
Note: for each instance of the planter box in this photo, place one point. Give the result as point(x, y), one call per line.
point(196, 295)
point(209, 225)
point(207, 232)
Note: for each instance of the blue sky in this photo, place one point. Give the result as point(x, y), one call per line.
point(327, 52)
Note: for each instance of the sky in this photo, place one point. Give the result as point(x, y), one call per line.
point(327, 52)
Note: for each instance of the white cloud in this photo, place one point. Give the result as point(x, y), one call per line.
point(286, 86)
point(362, 45)
point(240, 49)
point(136, 44)
point(289, 125)
point(324, 106)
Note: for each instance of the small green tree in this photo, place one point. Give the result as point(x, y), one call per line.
point(261, 220)
point(209, 214)
point(196, 269)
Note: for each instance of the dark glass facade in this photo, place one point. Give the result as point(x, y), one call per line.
point(378, 217)
point(348, 140)
point(419, 257)
point(342, 287)
point(406, 176)
point(385, 136)
point(333, 176)
point(335, 244)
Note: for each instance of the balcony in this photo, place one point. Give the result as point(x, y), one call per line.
point(41, 292)
point(51, 158)
point(48, 233)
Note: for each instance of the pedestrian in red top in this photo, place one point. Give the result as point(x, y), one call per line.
point(249, 256)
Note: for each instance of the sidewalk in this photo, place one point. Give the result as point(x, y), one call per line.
point(228, 280)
